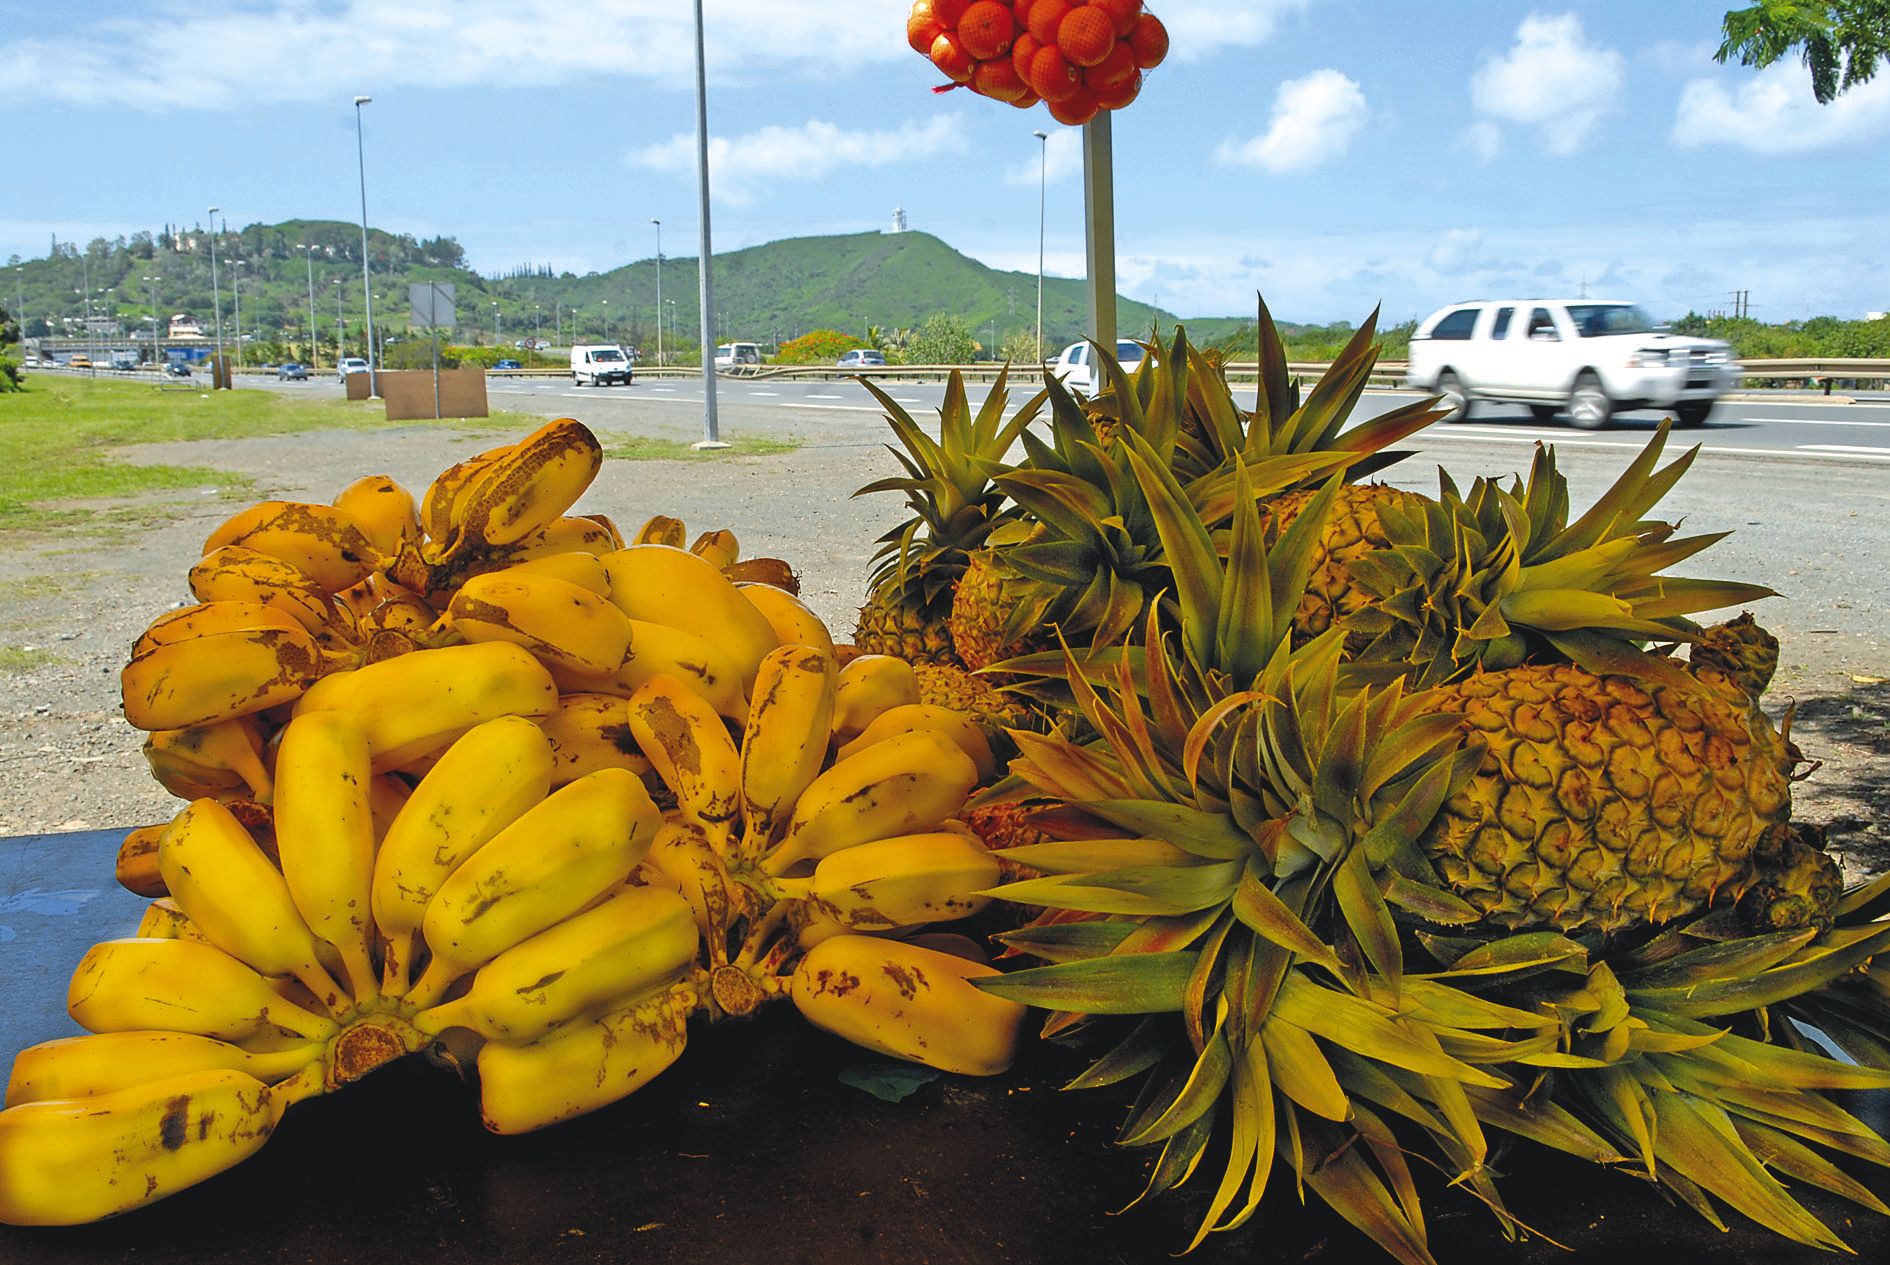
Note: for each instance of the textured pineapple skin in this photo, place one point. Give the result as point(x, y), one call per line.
point(980, 608)
point(1606, 802)
point(888, 624)
point(1352, 532)
point(947, 685)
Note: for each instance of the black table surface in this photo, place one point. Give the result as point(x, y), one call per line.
point(751, 1149)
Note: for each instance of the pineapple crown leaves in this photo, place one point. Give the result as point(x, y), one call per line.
point(1500, 574)
point(948, 482)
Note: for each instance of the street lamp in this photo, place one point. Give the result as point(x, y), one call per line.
point(498, 326)
point(308, 257)
point(341, 331)
point(236, 294)
point(538, 324)
point(711, 430)
point(672, 321)
point(659, 290)
point(156, 354)
point(19, 280)
point(1043, 185)
point(360, 157)
point(216, 292)
point(606, 320)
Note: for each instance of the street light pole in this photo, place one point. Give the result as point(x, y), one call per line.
point(1043, 186)
point(659, 290)
point(216, 293)
point(606, 303)
point(341, 329)
point(156, 355)
point(19, 315)
point(85, 282)
point(711, 431)
point(367, 296)
point(498, 325)
point(314, 352)
point(236, 295)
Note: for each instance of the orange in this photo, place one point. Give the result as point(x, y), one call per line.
point(949, 11)
point(1051, 75)
point(1086, 35)
point(987, 29)
point(922, 27)
point(1022, 53)
point(1046, 16)
point(1120, 95)
point(1027, 100)
point(1022, 9)
point(1113, 69)
point(998, 80)
point(1149, 40)
point(1077, 109)
point(951, 58)
point(1122, 13)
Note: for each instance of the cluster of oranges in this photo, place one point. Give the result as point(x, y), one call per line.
point(1076, 56)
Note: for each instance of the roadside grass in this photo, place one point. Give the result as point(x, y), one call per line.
point(26, 658)
point(30, 588)
point(650, 448)
point(59, 436)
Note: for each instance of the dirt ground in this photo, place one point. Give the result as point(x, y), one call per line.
point(71, 604)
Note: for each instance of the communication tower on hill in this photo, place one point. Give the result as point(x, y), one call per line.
point(899, 219)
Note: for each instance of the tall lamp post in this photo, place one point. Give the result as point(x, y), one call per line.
point(1043, 186)
point(216, 291)
point(341, 330)
point(659, 290)
point(156, 355)
point(711, 430)
point(236, 297)
point(19, 280)
point(367, 296)
point(606, 303)
point(314, 352)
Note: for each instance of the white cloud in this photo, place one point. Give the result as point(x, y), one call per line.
point(308, 50)
point(1483, 139)
point(1455, 250)
point(1314, 118)
point(739, 166)
point(1551, 79)
point(1679, 57)
point(1201, 28)
point(1062, 157)
point(1773, 112)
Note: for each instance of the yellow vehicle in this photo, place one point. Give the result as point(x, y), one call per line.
point(79, 362)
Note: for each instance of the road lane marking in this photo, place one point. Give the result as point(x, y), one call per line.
point(1872, 454)
point(907, 399)
point(1834, 452)
point(1809, 421)
point(849, 408)
point(764, 393)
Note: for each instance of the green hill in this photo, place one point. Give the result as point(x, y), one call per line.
point(763, 294)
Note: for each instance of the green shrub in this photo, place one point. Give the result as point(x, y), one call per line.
point(942, 340)
point(9, 375)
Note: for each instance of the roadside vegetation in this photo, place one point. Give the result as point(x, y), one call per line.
point(651, 448)
point(60, 437)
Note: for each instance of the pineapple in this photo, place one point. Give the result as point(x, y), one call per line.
point(1330, 914)
point(948, 486)
point(1356, 530)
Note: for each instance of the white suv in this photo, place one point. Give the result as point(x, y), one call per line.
point(1593, 357)
point(1076, 367)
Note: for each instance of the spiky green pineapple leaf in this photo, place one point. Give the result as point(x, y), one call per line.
point(1067, 941)
point(1122, 984)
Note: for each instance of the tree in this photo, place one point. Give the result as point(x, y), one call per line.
point(941, 340)
point(1843, 42)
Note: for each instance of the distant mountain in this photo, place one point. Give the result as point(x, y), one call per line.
point(763, 294)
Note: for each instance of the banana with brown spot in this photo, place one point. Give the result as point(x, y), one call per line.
point(784, 745)
point(689, 745)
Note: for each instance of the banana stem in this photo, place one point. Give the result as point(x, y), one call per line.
point(326, 989)
point(397, 964)
point(760, 933)
point(434, 981)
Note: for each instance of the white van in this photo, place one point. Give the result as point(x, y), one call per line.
point(1076, 367)
point(738, 357)
point(1588, 357)
point(601, 364)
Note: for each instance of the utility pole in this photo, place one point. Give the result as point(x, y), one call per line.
point(216, 296)
point(367, 296)
point(236, 295)
point(711, 430)
point(341, 330)
point(659, 290)
point(314, 353)
point(1099, 222)
point(1043, 187)
point(156, 355)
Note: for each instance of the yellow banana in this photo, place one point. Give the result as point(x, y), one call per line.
point(387, 795)
point(582, 1066)
point(183, 684)
point(439, 504)
point(583, 533)
point(601, 959)
point(556, 620)
point(401, 612)
point(105, 1062)
point(589, 732)
point(680, 853)
point(320, 541)
point(660, 650)
point(908, 1002)
point(579, 568)
point(905, 785)
point(773, 573)
point(137, 867)
point(229, 891)
point(383, 511)
point(418, 702)
point(222, 757)
point(575, 845)
point(484, 782)
point(869, 685)
point(661, 529)
point(951, 722)
point(901, 882)
point(673, 586)
point(235, 573)
point(190, 622)
point(793, 621)
point(718, 547)
point(66, 1161)
point(527, 489)
point(165, 919)
point(181, 986)
point(785, 742)
point(325, 837)
point(689, 746)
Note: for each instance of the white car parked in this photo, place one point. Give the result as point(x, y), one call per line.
point(1590, 357)
point(349, 366)
point(1076, 368)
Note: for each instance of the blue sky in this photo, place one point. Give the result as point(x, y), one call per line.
point(1333, 153)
